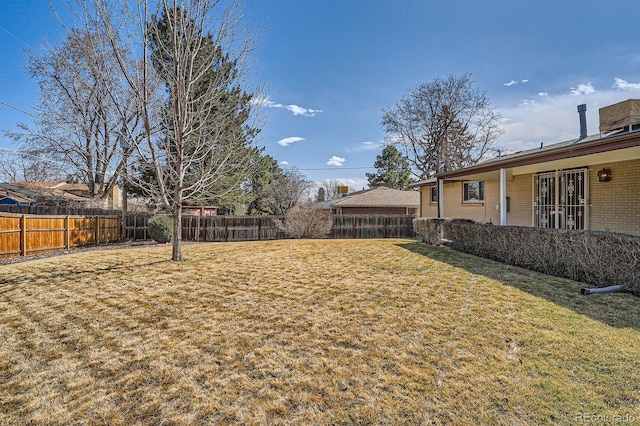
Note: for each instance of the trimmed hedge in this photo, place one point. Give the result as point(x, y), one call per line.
point(597, 258)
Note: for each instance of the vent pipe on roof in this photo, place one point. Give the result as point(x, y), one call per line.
point(582, 110)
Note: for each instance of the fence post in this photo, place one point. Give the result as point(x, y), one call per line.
point(23, 235)
point(67, 232)
point(353, 227)
point(259, 227)
point(204, 228)
point(97, 229)
point(384, 227)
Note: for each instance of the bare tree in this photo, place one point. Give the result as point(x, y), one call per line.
point(184, 64)
point(331, 189)
point(286, 190)
point(306, 221)
point(443, 125)
point(77, 121)
point(20, 166)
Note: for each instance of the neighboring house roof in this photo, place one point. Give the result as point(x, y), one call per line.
point(17, 197)
point(376, 197)
point(78, 187)
point(49, 191)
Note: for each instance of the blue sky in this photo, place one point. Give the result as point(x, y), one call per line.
point(331, 66)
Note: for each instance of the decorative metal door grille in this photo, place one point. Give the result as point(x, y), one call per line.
point(560, 199)
point(545, 200)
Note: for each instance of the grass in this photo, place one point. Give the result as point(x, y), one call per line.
point(309, 332)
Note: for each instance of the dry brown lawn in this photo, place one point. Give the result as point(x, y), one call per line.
point(309, 332)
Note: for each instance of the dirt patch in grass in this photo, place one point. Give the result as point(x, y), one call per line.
point(306, 332)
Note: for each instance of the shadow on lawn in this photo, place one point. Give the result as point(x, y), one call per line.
point(617, 310)
point(55, 274)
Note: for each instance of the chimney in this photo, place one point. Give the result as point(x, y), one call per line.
point(582, 110)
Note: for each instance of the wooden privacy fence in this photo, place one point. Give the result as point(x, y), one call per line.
point(372, 226)
point(255, 228)
point(213, 228)
point(22, 235)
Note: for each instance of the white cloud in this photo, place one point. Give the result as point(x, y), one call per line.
point(514, 82)
point(284, 163)
point(552, 118)
point(289, 141)
point(583, 89)
point(295, 109)
point(260, 101)
point(336, 161)
point(365, 146)
point(625, 85)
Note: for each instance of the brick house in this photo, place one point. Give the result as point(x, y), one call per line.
point(378, 200)
point(584, 183)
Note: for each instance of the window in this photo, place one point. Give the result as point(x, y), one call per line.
point(473, 192)
point(434, 195)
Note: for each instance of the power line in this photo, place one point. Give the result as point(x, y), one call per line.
point(44, 159)
point(336, 168)
point(17, 109)
point(15, 36)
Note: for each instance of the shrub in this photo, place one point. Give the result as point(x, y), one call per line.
point(160, 228)
point(306, 222)
point(593, 257)
point(430, 230)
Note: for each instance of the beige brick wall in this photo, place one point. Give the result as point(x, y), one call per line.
point(520, 193)
point(615, 205)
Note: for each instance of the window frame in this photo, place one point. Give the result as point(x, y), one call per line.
point(480, 191)
point(433, 194)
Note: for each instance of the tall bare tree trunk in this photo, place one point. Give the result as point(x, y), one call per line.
point(176, 253)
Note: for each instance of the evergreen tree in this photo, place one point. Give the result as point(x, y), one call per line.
point(321, 195)
point(261, 199)
point(230, 101)
point(393, 169)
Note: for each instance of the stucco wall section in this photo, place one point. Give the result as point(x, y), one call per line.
point(427, 209)
point(480, 212)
